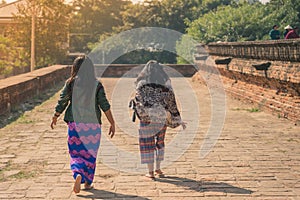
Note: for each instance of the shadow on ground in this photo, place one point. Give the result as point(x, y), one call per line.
point(198, 186)
point(29, 104)
point(203, 186)
point(102, 194)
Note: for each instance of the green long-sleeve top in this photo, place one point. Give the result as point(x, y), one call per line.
point(65, 101)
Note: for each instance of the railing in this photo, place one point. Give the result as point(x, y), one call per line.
point(271, 50)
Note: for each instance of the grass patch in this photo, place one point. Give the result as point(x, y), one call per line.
point(6, 167)
point(248, 109)
point(24, 120)
point(236, 109)
point(29, 104)
point(21, 171)
point(291, 140)
point(253, 110)
point(24, 175)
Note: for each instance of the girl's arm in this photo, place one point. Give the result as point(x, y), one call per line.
point(110, 118)
point(62, 103)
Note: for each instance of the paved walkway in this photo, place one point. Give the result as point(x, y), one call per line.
point(257, 155)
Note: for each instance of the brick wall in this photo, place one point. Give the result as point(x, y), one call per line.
point(276, 90)
point(281, 50)
point(15, 90)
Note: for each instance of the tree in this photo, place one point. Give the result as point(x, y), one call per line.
point(282, 13)
point(212, 5)
point(146, 14)
point(137, 46)
point(176, 12)
point(12, 58)
point(234, 22)
point(93, 18)
point(185, 49)
point(231, 23)
point(169, 14)
point(52, 27)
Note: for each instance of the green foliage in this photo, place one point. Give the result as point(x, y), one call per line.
point(212, 5)
point(93, 18)
point(185, 49)
point(244, 21)
point(229, 24)
point(283, 12)
point(136, 46)
point(147, 14)
point(253, 110)
point(51, 30)
point(169, 14)
point(175, 12)
point(12, 58)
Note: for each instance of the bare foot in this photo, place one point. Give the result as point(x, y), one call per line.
point(150, 175)
point(159, 173)
point(77, 184)
point(88, 186)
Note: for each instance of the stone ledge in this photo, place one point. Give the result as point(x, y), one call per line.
point(281, 50)
point(17, 89)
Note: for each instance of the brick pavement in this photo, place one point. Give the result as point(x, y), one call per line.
point(257, 156)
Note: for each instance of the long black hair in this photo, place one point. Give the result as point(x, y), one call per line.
point(153, 73)
point(83, 88)
point(85, 66)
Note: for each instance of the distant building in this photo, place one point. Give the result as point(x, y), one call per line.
point(7, 13)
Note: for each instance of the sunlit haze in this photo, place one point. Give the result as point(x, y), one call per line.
point(134, 1)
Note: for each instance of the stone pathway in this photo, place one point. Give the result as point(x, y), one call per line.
point(257, 155)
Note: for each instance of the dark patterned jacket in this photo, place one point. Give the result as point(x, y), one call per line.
point(156, 103)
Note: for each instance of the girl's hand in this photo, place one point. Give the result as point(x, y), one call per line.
point(53, 122)
point(112, 123)
point(111, 130)
point(183, 124)
point(54, 119)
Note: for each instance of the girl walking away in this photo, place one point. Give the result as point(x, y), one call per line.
point(155, 106)
point(83, 96)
